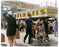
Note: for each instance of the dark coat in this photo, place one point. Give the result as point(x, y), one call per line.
point(11, 29)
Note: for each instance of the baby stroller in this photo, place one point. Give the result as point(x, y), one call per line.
point(41, 38)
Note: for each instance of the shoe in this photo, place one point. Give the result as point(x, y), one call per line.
point(15, 41)
point(29, 43)
point(24, 41)
point(55, 35)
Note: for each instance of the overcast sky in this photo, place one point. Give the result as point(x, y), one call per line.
point(37, 1)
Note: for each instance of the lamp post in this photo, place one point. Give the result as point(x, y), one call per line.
point(56, 3)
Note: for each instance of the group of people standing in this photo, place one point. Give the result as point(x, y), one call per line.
point(13, 25)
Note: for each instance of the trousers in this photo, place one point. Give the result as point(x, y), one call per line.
point(28, 32)
point(56, 30)
point(46, 31)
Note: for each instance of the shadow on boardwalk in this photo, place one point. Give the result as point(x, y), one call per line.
point(19, 44)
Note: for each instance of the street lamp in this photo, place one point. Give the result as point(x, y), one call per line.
point(56, 3)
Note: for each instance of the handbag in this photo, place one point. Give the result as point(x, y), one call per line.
point(17, 35)
point(2, 38)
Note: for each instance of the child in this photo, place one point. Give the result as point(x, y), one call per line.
point(41, 32)
point(33, 32)
point(34, 29)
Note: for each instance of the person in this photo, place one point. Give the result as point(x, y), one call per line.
point(17, 31)
point(33, 32)
point(28, 24)
point(40, 28)
point(21, 26)
point(41, 32)
point(4, 24)
point(11, 29)
point(1, 25)
point(56, 27)
point(39, 21)
point(51, 27)
point(17, 21)
point(45, 22)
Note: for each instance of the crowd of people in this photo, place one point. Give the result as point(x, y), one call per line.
point(42, 28)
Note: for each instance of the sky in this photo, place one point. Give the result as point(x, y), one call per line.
point(37, 1)
point(34, 1)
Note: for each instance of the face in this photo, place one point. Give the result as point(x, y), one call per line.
point(45, 19)
point(29, 16)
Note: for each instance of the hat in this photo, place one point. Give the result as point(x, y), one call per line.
point(10, 12)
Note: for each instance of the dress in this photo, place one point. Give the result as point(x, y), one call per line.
point(11, 29)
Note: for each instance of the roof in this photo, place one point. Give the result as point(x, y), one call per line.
point(19, 4)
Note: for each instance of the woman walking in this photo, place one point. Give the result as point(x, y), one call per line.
point(11, 29)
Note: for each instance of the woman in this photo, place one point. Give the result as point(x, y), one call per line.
point(56, 27)
point(11, 29)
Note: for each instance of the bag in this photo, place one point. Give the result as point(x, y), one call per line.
point(2, 38)
point(17, 35)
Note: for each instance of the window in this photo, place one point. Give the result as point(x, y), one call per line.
point(52, 11)
point(20, 15)
point(23, 14)
point(27, 13)
point(32, 12)
point(49, 11)
point(42, 11)
point(37, 12)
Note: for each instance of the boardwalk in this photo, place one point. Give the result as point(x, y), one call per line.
point(19, 42)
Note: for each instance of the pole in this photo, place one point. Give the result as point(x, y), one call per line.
point(56, 3)
point(46, 3)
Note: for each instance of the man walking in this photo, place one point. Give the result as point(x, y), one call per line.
point(28, 24)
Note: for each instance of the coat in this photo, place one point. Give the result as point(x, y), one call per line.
point(11, 29)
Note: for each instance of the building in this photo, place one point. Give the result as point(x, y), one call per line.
point(21, 10)
point(37, 13)
point(20, 4)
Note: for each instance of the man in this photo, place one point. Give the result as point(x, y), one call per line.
point(28, 24)
point(46, 27)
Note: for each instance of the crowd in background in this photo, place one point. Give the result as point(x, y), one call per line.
point(21, 25)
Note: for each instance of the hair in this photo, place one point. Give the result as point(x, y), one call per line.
point(40, 19)
point(29, 14)
point(46, 18)
point(55, 19)
point(10, 15)
point(40, 24)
